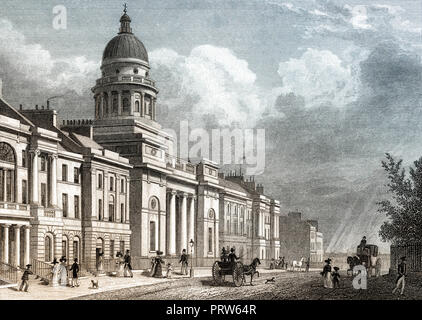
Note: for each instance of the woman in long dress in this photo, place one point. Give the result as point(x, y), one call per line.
point(326, 274)
point(158, 270)
point(100, 263)
point(55, 273)
point(121, 264)
point(63, 271)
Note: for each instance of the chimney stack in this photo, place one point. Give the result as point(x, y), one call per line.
point(36, 107)
point(48, 105)
point(20, 107)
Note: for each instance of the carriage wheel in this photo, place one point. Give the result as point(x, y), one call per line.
point(238, 274)
point(216, 273)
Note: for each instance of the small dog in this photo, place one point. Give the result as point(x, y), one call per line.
point(94, 284)
point(270, 280)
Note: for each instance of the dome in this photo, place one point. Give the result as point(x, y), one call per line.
point(125, 45)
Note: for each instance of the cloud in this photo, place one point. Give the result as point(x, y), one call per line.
point(320, 77)
point(209, 81)
point(35, 66)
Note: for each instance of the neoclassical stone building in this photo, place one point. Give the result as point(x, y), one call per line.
point(62, 194)
point(113, 183)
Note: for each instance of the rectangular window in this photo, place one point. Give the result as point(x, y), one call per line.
point(210, 240)
point(152, 236)
point(64, 172)
point(100, 209)
point(122, 247)
point(24, 162)
point(44, 195)
point(43, 163)
point(24, 191)
point(111, 183)
point(122, 213)
point(76, 204)
point(100, 181)
point(111, 248)
point(76, 175)
point(122, 185)
point(64, 204)
point(76, 250)
point(9, 179)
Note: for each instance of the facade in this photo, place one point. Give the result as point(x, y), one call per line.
point(300, 238)
point(113, 183)
point(50, 196)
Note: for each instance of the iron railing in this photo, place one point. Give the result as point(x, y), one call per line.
point(413, 254)
point(41, 268)
point(8, 273)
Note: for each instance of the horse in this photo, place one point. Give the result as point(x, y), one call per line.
point(251, 269)
point(352, 262)
point(297, 264)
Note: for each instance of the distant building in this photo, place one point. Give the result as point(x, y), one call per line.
point(300, 238)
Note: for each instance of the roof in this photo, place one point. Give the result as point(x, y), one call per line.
point(231, 185)
point(86, 141)
point(125, 45)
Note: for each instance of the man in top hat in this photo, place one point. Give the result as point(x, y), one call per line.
point(25, 278)
point(232, 255)
point(401, 274)
point(128, 264)
point(75, 270)
point(184, 262)
point(336, 277)
point(224, 256)
point(326, 274)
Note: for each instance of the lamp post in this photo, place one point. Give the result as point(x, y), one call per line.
point(192, 243)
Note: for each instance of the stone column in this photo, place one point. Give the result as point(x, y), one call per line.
point(191, 231)
point(142, 104)
point(110, 102)
point(183, 222)
point(53, 180)
point(119, 103)
point(6, 243)
point(27, 239)
point(17, 249)
point(127, 217)
point(35, 154)
point(5, 185)
point(132, 103)
point(172, 224)
point(153, 108)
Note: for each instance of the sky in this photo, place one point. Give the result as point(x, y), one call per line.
point(335, 84)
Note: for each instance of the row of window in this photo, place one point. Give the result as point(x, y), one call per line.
point(112, 217)
point(112, 183)
point(65, 206)
point(76, 174)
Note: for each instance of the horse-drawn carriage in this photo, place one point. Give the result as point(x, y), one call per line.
point(236, 269)
point(365, 255)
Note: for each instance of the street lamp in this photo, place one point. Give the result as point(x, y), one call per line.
point(192, 243)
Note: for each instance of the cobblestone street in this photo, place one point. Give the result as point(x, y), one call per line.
point(288, 285)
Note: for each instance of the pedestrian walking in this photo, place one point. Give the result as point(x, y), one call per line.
point(402, 271)
point(184, 262)
point(62, 277)
point(75, 270)
point(378, 266)
point(120, 265)
point(308, 262)
point(55, 273)
point(336, 277)
point(157, 270)
point(326, 274)
point(128, 264)
point(25, 278)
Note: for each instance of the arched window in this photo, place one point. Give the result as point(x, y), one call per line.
point(7, 172)
point(137, 106)
point(115, 103)
point(65, 246)
point(76, 248)
point(111, 209)
point(48, 248)
point(126, 105)
point(105, 102)
point(152, 236)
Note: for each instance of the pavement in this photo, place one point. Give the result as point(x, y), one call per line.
point(39, 291)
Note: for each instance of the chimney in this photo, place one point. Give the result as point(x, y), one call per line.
point(48, 105)
point(36, 107)
point(20, 107)
point(221, 175)
point(260, 189)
